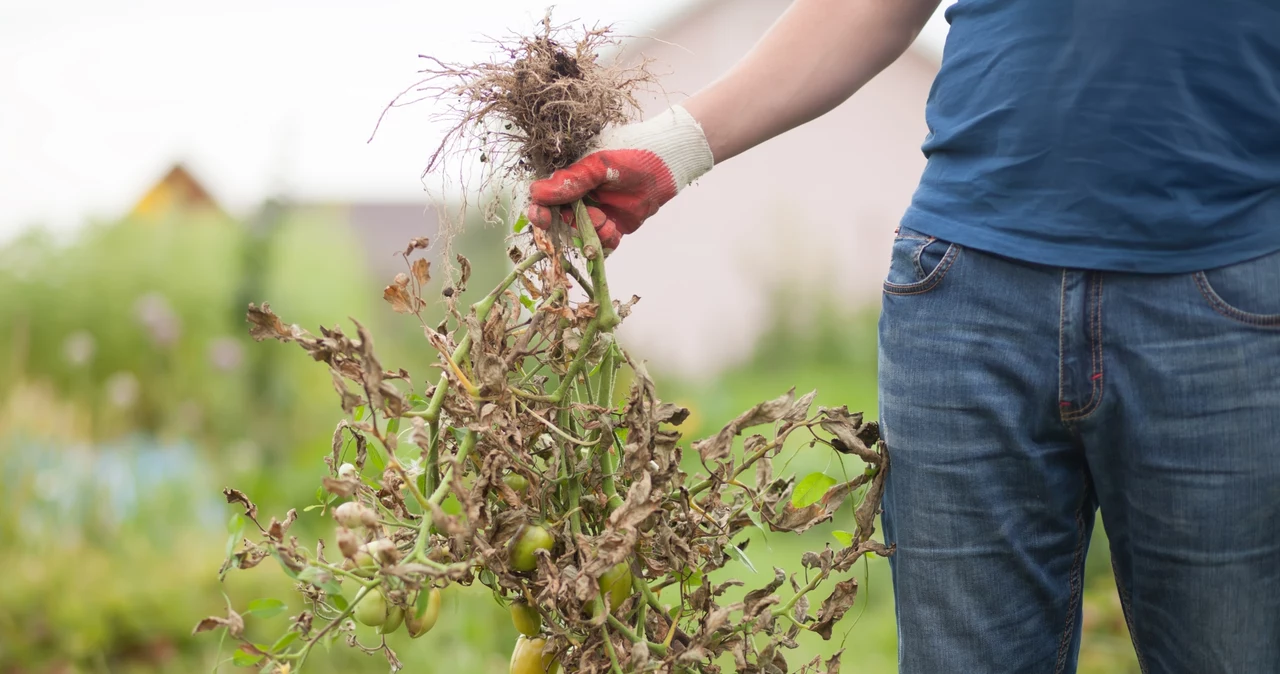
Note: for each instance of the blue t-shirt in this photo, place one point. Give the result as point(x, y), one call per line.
point(1128, 135)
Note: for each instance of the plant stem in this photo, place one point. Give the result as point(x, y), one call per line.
point(460, 353)
point(755, 456)
point(364, 591)
point(437, 496)
point(608, 465)
point(594, 252)
point(608, 646)
point(656, 649)
point(786, 608)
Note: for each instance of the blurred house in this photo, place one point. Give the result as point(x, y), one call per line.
point(177, 191)
point(813, 210)
point(382, 227)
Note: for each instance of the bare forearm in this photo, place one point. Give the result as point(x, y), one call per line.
point(817, 55)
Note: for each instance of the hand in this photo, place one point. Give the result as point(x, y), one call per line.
point(633, 170)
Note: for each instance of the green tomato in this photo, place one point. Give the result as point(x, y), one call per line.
point(518, 483)
point(424, 614)
point(526, 618)
point(526, 544)
point(372, 609)
point(395, 616)
point(532, 657)
point(615, 587)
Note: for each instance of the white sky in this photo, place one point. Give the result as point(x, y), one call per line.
point(99, 97)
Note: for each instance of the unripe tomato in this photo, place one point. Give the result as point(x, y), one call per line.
point(526, 618)
point(423, 616)
point(372, 609)
point(615, 584)
point(347, 470)
point(526, 543)
point(531, 656)
point(395, 616)
point(518, 483)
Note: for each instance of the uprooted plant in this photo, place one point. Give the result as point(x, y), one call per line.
point(525, 467)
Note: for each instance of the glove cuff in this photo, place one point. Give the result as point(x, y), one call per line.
point(674, 136)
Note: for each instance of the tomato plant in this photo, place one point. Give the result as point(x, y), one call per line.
point(524, 466)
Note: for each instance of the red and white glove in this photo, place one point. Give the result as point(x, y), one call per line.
point(631, 171)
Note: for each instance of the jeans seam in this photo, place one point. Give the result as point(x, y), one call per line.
point(1222, 307)
point(929, 283)
point(1126, 605)
point(1062, 354)
point(1095, 352)
point(1077, 570)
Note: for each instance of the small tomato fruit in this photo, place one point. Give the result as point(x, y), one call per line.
point(525, 545)
point(372, 609)
point(347, 470)
point(526, 618)
point(615, 584)
point(424, 615)
point(518, 483)
point(395, 617)
point(531, 656)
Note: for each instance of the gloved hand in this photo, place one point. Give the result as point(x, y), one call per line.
point(632, 171)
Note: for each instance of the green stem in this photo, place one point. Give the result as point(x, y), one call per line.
point(608, 646)
point(437, 496)
point(755, 456)
point(785, 609)
point(364, 591)
point(594, 252)
point(460, 353)
point(656, 649)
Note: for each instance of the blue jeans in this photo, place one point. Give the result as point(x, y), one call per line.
point(1016, 400)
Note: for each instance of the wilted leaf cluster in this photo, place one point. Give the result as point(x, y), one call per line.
point(526, 427)
point(540, 460)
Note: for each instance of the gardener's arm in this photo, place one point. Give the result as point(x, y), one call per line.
point(819, 53)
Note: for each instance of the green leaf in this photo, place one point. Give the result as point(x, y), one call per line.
point(393, 426)
point(340, 602)
point(376, 458)
point(236, 524)
point(844, 537)
point(312, 507)
point(284, 642)
point(242, 659)
point(358, 412)
point(266, 608)
point(527, 302)
point(322, 579)
point(693, 578)
point(521, 223)
point(741, 556)
point(416, 399)
point(811, 489)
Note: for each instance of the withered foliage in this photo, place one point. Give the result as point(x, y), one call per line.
point(525, 425)
point(527, 387)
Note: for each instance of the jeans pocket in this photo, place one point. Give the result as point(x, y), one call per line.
point(918, 262)
point(1248, 292)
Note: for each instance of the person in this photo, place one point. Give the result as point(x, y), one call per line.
point(1081, 311)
